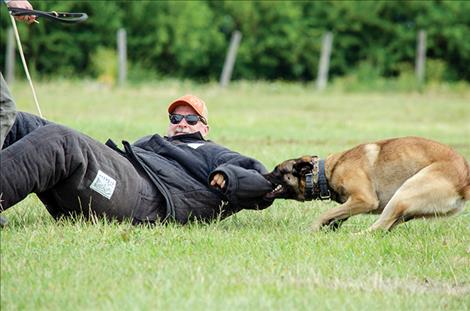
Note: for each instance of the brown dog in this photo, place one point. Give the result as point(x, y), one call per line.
point(401, 178)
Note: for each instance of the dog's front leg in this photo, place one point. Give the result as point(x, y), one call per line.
point(353, 206)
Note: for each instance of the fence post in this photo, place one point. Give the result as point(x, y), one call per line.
point(421, 56)
point(10, 57)
point(122, 55)
point(323, 68)
point(230, 58)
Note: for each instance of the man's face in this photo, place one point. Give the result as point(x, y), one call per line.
point(183, 127)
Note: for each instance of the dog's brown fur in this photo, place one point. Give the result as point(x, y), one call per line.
point(401, 179)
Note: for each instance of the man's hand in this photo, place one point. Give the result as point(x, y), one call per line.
point(22, 4)
point(218, 181)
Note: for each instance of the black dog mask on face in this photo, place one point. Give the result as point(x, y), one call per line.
point(288, 178)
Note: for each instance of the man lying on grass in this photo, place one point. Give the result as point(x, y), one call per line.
point(178, 177)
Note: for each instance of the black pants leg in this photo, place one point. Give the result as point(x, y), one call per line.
point(74, 174)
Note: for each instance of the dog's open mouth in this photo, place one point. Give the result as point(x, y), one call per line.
point(278, 191)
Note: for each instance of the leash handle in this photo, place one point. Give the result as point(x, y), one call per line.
point(63, 17)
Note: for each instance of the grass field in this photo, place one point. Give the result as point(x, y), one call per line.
point(253, 260)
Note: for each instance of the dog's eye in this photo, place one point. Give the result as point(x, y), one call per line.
point(295, 173)
point(301, 169)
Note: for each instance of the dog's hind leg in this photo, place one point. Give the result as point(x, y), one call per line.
point(429, 193)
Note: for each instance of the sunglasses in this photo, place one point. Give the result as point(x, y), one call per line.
point(191, 119)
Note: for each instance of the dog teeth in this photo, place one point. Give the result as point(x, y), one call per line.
point(277, 189)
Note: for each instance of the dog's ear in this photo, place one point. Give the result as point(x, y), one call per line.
point(302, 166)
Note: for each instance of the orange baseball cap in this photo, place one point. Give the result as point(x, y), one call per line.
point(191, 100)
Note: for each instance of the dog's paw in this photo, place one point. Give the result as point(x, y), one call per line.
point(326, 224)
point(319, 226)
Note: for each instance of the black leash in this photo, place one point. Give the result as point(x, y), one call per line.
point(63, 17)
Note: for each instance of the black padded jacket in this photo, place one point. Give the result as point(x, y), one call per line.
point(182, 166)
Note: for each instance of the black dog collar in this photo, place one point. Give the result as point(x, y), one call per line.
point(323, 182)
point(316, 184)
point(309, 192)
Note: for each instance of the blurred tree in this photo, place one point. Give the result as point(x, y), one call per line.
point(281, 39)
point(175, 38)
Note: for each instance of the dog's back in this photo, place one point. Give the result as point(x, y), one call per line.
point(399, 159)
point(416, 153)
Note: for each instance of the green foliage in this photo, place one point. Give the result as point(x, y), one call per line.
point(281, 39)
point(174, 38)
point(105, 63)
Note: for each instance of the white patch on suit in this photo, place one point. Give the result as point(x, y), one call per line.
point(103, 184)
point(195, 145)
